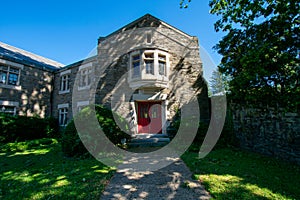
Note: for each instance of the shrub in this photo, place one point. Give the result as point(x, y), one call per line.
point(21, 128)
point(72, 144)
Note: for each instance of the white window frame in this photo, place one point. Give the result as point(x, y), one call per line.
point(13, 104)
point(64, 82)
point(82, 104)
point(63, 114)
point(143, 72)
point(149, 69)
point(135, 72)
point(9, 65)
point(85, 79)
point(164, 61)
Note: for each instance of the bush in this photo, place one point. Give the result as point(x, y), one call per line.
point(72, 144)
point(21, 128)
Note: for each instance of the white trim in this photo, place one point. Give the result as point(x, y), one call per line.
point(86, 65)
point(84, 87)
point(9, 103)
point(13, 64)
point(65, 72)
point(64, 105)
point(14, 87)
point(83, 103)
point(63, 91)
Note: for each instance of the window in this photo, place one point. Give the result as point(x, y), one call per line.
point(85, 77)
point(65, 83)
point(135, 65)
point(11, 110)
point(9, 75)
point(149, 38)
point(9, 107)
point(149, 63)
point(63, 116)
point(162, 64)
point(82, 104)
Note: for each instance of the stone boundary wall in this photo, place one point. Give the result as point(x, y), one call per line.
point(268, 131)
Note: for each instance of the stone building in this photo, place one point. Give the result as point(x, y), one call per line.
point(145, 71)
point(26, 82)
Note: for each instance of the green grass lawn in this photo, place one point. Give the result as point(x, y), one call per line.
point(38, 170)
point(229, 173)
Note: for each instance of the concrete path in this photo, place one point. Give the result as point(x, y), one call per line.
point(171, 182)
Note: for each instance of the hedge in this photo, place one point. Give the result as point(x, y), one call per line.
point(21, 128)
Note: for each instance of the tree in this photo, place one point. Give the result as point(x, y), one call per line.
point(184, 4)
point(261, 49)
point(219, 83)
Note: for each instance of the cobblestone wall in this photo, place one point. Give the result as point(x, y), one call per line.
point(268, 131)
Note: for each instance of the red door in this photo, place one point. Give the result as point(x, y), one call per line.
point(149, 117)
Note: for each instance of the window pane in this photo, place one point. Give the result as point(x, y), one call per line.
point(162, 68)
point(149, 67)
point(162, 57)
point(3, 77)
point(14, 70)
point(149, 55)
point(136, 57)
point(3, 68)
point(12, 79)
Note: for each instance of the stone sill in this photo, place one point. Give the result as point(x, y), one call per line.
point(147, 83)
point(63, 91)
point(84, 88)
point(13, 87)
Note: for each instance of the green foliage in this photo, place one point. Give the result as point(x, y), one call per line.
point(261, 49)
point(184, 4)
point(72, 140)
point(21, 128)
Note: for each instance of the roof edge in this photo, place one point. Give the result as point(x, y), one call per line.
point(101, 38)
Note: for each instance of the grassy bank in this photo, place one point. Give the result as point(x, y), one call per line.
point(229, 173)
point(38, 170)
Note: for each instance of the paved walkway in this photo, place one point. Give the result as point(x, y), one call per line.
point(171, 182)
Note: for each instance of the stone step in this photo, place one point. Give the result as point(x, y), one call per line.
point(142, 136)
point(149, 141)
point(147, 144)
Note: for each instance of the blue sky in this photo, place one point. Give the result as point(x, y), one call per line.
point(67, 31)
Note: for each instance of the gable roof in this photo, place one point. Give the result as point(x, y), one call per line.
point(24, 57)
point(147, 20)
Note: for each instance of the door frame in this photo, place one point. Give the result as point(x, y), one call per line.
point(162, 114)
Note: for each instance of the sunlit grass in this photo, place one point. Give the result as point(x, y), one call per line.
point(38, 170)
point(234, 174)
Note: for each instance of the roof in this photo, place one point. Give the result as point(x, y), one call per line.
point(24, 57)
point(143, 20)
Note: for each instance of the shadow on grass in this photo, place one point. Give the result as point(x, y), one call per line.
point(42, 172)
point(232, 173)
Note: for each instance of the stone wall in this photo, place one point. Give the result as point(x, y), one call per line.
point(268, 131)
